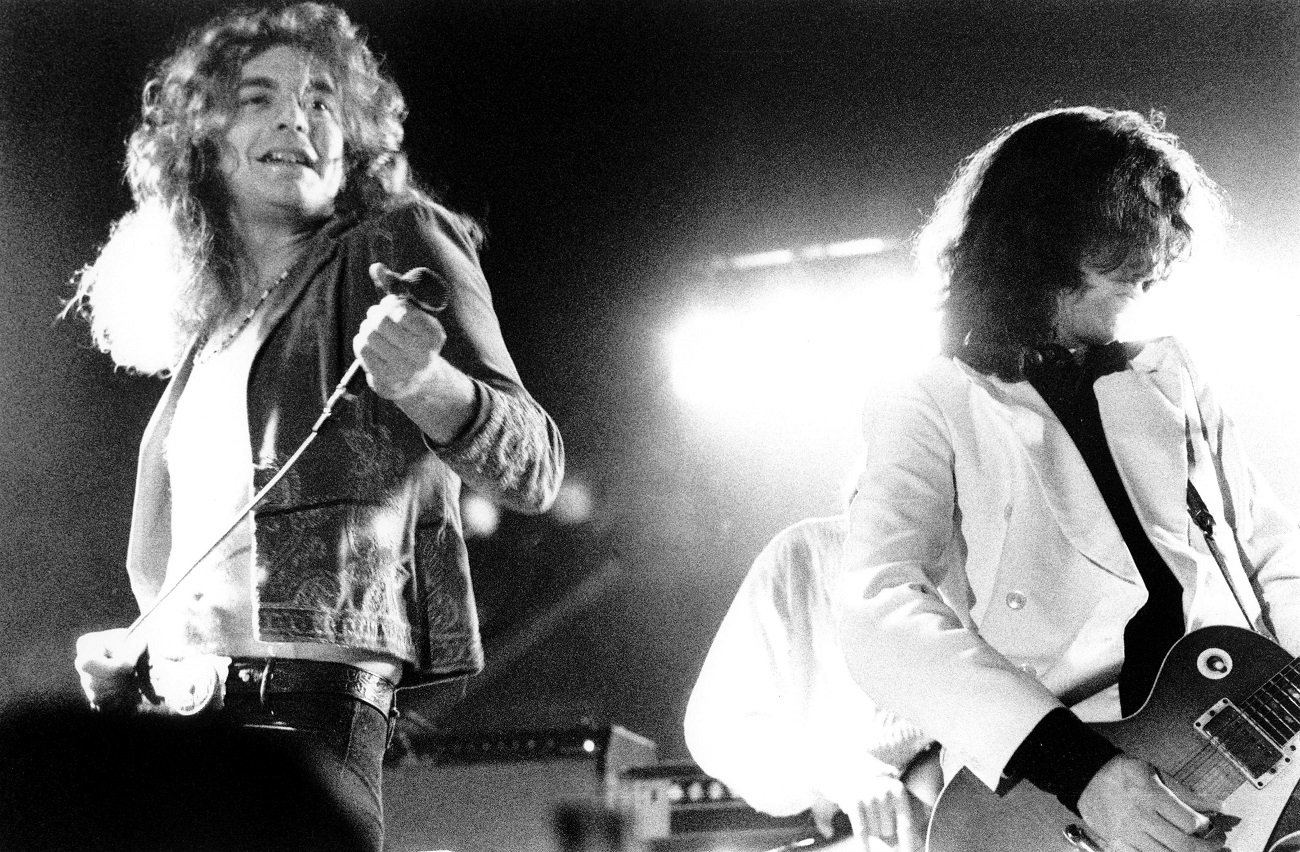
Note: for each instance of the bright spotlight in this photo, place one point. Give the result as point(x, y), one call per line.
point(480, 515)
point(801, 354)
point(815, 252)
point(575, 503)
point(758, 260)
point(857, 248)
point(718, 358)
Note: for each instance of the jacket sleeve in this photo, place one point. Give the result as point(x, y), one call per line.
point(1267, 535)
point(903, 643)
point(511, 450)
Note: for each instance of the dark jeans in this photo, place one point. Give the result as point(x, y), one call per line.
point(341, 741)
point(299, 775)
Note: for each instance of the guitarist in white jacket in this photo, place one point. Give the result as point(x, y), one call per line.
point(1020, 542)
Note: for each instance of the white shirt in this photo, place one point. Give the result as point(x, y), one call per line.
point(775, 714)
point(210, 474)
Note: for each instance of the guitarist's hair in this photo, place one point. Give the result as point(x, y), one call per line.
point(1056, 189)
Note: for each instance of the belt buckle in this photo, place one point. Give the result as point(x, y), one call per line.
point(191, 685)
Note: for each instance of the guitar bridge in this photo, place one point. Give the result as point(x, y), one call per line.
point(1241, 740)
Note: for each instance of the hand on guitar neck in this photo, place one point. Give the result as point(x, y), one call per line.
point(106, 665)
point(1129, 805)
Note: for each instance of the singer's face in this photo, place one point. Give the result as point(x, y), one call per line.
point(282, 155)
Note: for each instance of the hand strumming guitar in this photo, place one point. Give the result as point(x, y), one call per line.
point(1130, 806)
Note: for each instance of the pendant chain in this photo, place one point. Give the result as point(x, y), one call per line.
point(207, 351)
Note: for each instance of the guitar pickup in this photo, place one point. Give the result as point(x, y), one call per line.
point(1245, 744)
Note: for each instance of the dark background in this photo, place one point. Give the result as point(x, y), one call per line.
point(614, 149)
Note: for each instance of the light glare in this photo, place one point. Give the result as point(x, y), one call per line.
point(856, 248)
point(799, 355)
point(480, 515)
point(758, 260)
point(575, 503)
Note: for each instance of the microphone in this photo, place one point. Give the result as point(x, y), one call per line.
point(421, 279)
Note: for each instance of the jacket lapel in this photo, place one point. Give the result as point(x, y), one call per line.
point(1065, 483)
point(313, 259)
point(1142, 410)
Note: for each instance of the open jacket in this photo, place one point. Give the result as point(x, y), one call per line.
point(985, 581)
point(361, 544)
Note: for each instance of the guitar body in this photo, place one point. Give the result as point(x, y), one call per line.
point(1204, 667)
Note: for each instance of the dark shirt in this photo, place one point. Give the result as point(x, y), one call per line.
point(1061, 754)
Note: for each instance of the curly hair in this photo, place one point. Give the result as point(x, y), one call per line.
point(172, 169)
point(1057, 189)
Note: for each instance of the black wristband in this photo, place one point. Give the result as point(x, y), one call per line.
point(1060, 756)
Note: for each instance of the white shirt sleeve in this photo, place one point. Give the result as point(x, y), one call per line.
point(774, 713)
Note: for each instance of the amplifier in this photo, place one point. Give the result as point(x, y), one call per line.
point(501, 791)
point(681, 808)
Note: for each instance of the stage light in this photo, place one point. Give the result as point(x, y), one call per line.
point(800, 354)
point(757, 260)
point(717, 358)
point(575, 503)
point(815, 252)
point(856, 248)
point(480, 516)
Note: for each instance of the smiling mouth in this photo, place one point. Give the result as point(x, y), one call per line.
point(287, 158)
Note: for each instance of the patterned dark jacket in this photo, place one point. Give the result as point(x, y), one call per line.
point(361, 544)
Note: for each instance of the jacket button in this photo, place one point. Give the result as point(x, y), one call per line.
point(1016, 600)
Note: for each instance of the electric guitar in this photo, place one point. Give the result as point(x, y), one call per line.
point(1223, 718)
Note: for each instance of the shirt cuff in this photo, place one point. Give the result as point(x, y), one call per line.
point(1060, 756)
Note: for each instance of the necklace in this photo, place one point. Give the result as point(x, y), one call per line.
point(207, 352)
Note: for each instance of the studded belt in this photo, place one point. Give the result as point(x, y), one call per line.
point(275, 676)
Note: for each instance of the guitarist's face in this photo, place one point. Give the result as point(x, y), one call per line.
point(1090, 315)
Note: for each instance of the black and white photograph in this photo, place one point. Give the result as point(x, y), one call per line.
point(650, 425)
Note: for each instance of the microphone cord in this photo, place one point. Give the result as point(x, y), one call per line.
point(326, 412)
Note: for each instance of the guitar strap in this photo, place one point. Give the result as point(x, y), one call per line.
point(1204, 519)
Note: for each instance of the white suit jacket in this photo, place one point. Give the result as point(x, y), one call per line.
point(985, 581)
